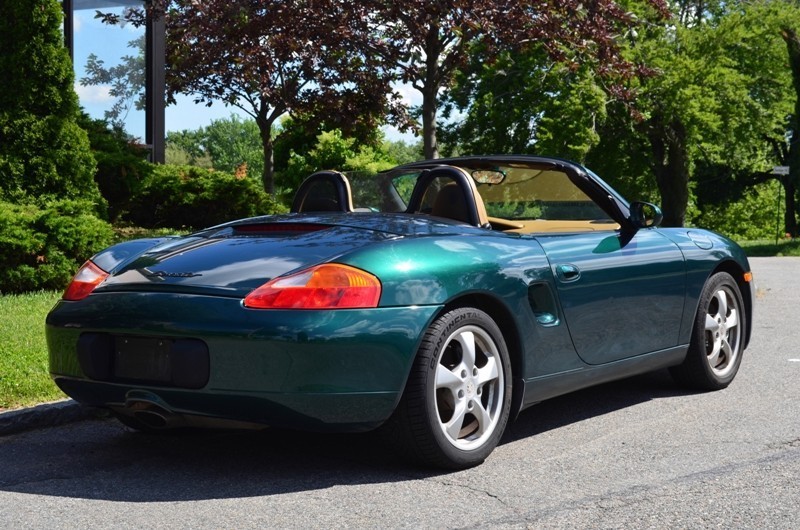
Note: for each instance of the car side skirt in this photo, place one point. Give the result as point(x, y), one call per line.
point(538, 389)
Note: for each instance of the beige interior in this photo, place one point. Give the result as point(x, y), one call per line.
point(543, 225)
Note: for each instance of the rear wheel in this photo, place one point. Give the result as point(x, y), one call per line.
point(717, 343)
point(456, 403)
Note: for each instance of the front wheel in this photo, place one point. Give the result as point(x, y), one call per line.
point(456, 403)
point(717, 343)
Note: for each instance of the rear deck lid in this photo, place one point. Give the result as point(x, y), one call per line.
point(235, 259)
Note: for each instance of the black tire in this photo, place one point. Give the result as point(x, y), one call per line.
point(455, 407)
point(718, 336)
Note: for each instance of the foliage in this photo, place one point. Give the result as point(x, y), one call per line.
point(24, 375)
point(229, 144)
point(524, 103)
point(789, 153)
point(234, 145)
point(42, 247)
point(192, 197)
point(334, 151)
point(188, 148)
point(403, 153)
point(267, 59)
point(719, 99)
point(756, 215)
point(126, 81)
point(121, 164)
point(43, 151)
point(299, 134)
point(434, 40)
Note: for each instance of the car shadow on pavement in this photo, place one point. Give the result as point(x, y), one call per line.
point(593, 402)
point(101, 459)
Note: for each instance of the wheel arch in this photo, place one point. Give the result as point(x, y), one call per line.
point(504, 318)
point(735, 270)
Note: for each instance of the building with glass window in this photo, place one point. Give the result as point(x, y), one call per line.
point(121, 67)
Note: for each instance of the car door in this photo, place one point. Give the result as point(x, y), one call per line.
point(622, 294)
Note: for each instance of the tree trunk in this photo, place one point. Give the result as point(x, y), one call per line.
point(790, 206)
point(671, 167)
point(792, 182)
point(430, 91)
point(268, 175)
point(429, 104)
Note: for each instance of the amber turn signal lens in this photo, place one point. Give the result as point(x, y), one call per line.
point(329, 286)
point(748, 277)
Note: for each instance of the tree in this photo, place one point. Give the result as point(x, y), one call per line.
point(332, 150)
point(121, 164)
point(523, 102)
point(268, 59)
point(791, 154)
point(48, 196)
point(126, 79)
point(234, 145)
point(43, 151)
point(432, 40)
point(231, 144)
point(719, 99)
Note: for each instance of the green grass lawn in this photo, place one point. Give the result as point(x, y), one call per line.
point(24, 379)
point(763, 248)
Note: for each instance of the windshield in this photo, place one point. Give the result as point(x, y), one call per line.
point(513, 192)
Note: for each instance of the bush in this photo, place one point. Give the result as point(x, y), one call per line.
point(757, 214)
point(43, 151)
point(41, 247)
point(121, 164)
point(192, 197)
point(335, 151)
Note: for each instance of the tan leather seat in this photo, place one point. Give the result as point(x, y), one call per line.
point(451, 201)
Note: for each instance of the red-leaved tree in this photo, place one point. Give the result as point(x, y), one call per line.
point(273, 58)
point(336, 59)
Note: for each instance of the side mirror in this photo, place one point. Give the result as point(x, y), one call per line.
point(645, 215)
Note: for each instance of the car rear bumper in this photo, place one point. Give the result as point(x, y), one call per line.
point(325, 370)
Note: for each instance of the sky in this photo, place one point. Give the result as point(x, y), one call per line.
point(110, 44)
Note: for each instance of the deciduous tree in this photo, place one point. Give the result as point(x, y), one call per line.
point(791, 155)
point(433, 40)
point(125, 81)
point(275, 58)
point(719, 99)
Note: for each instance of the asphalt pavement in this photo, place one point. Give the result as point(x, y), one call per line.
point(638, 453)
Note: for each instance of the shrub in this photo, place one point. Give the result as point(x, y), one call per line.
point(335, 151)
point(41, 247)
point(43, 151)
point(192, 197)
point(121, 164)
point(757, 214)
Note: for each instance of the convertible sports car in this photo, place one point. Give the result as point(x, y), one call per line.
point(434, 301)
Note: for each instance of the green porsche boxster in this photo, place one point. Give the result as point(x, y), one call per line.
point(433, 301)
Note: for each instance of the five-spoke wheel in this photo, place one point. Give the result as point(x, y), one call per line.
point(470, 387)
point(715, 350)
point(457, 399)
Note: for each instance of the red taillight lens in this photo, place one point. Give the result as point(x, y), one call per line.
point(89, 276)
point(329, 286)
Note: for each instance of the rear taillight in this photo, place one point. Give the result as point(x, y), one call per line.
point(329, 286)
point(89, 276)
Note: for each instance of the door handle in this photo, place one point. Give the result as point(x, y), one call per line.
point(567, 272)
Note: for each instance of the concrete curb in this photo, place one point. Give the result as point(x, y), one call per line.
point(44, 415)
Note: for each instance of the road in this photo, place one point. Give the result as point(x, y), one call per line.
point(640, 453)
